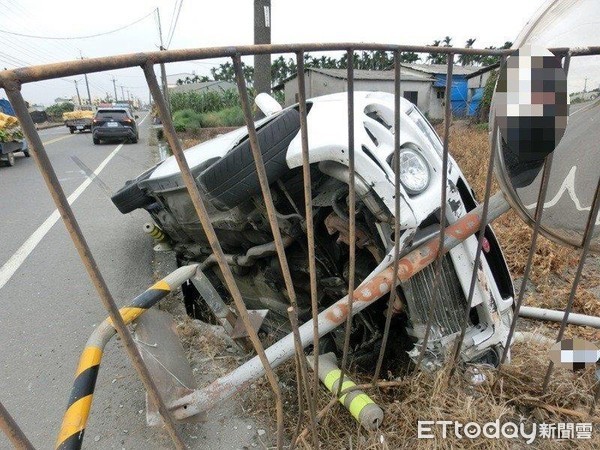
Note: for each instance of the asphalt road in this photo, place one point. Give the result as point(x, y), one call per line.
point(574, 175)
point(48, 305)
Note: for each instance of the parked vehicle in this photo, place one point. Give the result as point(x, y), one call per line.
point(80, 120)
point(11, 137)
point(225, 173)
point(8, 150)
point(114, 124)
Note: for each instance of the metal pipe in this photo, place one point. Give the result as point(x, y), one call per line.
point(253, 253)
point(553, 315)
point(376, 285)
point(14, 434)
point(45, 166)
point(214, 243)
point(80, 402)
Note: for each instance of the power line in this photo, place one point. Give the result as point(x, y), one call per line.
point(21, 18)
point(77, 37)
point(172, 31)
point(172, 16)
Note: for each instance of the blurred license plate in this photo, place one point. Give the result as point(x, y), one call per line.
point(112, 124)
point(80, 127)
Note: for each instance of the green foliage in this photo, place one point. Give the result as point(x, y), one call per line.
point(186, 120)
point(204, 102)
point(194, 79)
point(488, 93)
point(56, 111)
point(191, 121)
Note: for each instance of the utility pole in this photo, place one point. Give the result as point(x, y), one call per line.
point(122, 93)
point(262, 35)
point(77, 90)
point(585, 86)
point(163, 72)
point(87, 85)
point(114, 80)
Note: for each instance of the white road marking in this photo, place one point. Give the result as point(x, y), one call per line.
point(568, 186)
point(17, 259)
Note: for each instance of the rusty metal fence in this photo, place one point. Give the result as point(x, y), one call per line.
point(403, 267)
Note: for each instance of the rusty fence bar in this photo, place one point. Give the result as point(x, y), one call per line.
point(396, 168)
point(478, 251)
point(308, 211)
point(274, 224)
point(91, 65)
point(13, 432)
point(437, 292)
point(351, 216)
point(62, 204)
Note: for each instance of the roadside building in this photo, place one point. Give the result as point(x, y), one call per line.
point(328, 81)
point(422, 84)
point(476, 82)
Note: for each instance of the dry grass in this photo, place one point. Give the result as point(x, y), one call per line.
point(515, 396)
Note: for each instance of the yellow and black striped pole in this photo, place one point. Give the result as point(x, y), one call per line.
point(155, 232)
point(80, 401)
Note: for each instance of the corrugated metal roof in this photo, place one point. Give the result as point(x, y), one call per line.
point(360, 74)
point(441, 69)
point(204, 86)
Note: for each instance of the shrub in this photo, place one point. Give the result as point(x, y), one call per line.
point(186, 119)
point(204, 102)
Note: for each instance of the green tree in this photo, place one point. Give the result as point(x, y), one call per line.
point(490, 59)
point(409, 57)
point(56, 111)
point(466, 60)
point(436, 58)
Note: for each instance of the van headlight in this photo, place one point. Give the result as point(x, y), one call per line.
point(414, 171)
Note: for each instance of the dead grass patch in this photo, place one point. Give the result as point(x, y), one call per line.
point(512, 395)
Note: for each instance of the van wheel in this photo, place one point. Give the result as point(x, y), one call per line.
point(10, 159)
point(96, 141)
point(26, 153)
point(72, 130)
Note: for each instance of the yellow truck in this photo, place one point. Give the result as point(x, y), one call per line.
point(78, 120)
